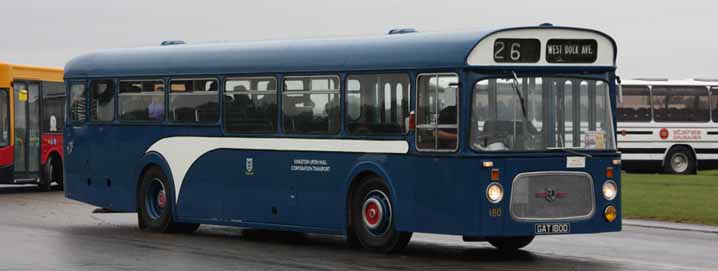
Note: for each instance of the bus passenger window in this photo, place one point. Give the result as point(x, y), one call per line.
point(53, 99)
point(102, 100)
point(377, 104)
point(78, 103)
point(437, 112)
point(250, 104)
point(680, 104)
point(194, 101)
point(142, 100)
point(310, 104)
point(714, 103)
point(636, 105)
point(4, 118)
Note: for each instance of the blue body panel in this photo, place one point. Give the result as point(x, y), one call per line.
point(435, 193)
point(445, 195)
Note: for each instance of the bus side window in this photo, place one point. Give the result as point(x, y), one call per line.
point(714, 103)
point(636, 105)
point(194, 101)
point(250, 104)
point(680, 104)
point(78, 103)
point(310, 104)
point(437, 112)
point(53, 99)
point(141, 100)
point(377, 104)
point(102, 103)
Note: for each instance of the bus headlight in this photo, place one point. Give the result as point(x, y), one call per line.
point(610, 190)
point(610, 213)
point(494, 193)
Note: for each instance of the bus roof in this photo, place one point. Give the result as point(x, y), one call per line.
point(386, 52)
point(10, 72)
point(668, 82)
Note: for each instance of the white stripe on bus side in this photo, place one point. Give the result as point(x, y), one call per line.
point(182, 152)
point(642, 156)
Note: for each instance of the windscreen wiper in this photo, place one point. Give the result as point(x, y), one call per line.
point(570, 151)
point(518, 93)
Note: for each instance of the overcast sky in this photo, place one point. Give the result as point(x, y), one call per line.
point(676, 39)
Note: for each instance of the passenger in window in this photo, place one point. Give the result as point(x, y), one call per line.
point(268, 99)
point(242, 102)
point(332, 110)
point(447, 136)
point(156, 108)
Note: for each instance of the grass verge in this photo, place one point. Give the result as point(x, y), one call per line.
point(677, 198)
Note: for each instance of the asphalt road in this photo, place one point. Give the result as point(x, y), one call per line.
point(45, 231)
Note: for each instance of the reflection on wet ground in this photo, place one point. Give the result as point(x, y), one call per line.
point(44, 231)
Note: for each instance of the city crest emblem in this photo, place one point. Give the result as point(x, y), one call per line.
point(249, 167)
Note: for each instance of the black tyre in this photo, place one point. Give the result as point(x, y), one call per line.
point(372, 220)
point(352, 239)
point(47, 176)
point(57, 172)
point(680, 160)
point(510, 244)
point(155, 205)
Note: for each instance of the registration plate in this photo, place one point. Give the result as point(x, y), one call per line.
point(553, 228)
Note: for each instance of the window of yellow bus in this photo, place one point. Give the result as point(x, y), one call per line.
point(4, 118)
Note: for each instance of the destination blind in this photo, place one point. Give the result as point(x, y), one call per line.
point(571, 51)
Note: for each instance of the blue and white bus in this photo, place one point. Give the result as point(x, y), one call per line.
point(496, 135)
point(668, 125)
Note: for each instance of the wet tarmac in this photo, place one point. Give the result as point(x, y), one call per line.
point(45, 231)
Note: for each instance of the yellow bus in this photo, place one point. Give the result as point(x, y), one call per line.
point(32, 106)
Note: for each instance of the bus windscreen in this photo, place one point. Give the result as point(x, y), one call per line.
point(566, 113)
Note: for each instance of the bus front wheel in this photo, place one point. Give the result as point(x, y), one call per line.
point(155, 205)
point(372, 219)
point(47, 176)
point(510, 244)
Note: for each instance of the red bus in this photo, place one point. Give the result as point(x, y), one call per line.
point(32, 106)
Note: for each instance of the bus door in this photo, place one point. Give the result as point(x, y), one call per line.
point(436, 136)
point(27, 130)
point(5, 148)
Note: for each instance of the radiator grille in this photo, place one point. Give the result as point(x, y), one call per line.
point(552, 196)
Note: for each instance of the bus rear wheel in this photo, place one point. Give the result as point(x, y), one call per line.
point(155, 206)
point(372, 219)
point(680, 160)
point(510, 244)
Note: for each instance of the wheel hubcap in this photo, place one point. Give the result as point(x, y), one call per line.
point(161, 200)
point(376, 212)
point(372, 213)
point(679, 162)
point(156, 199)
